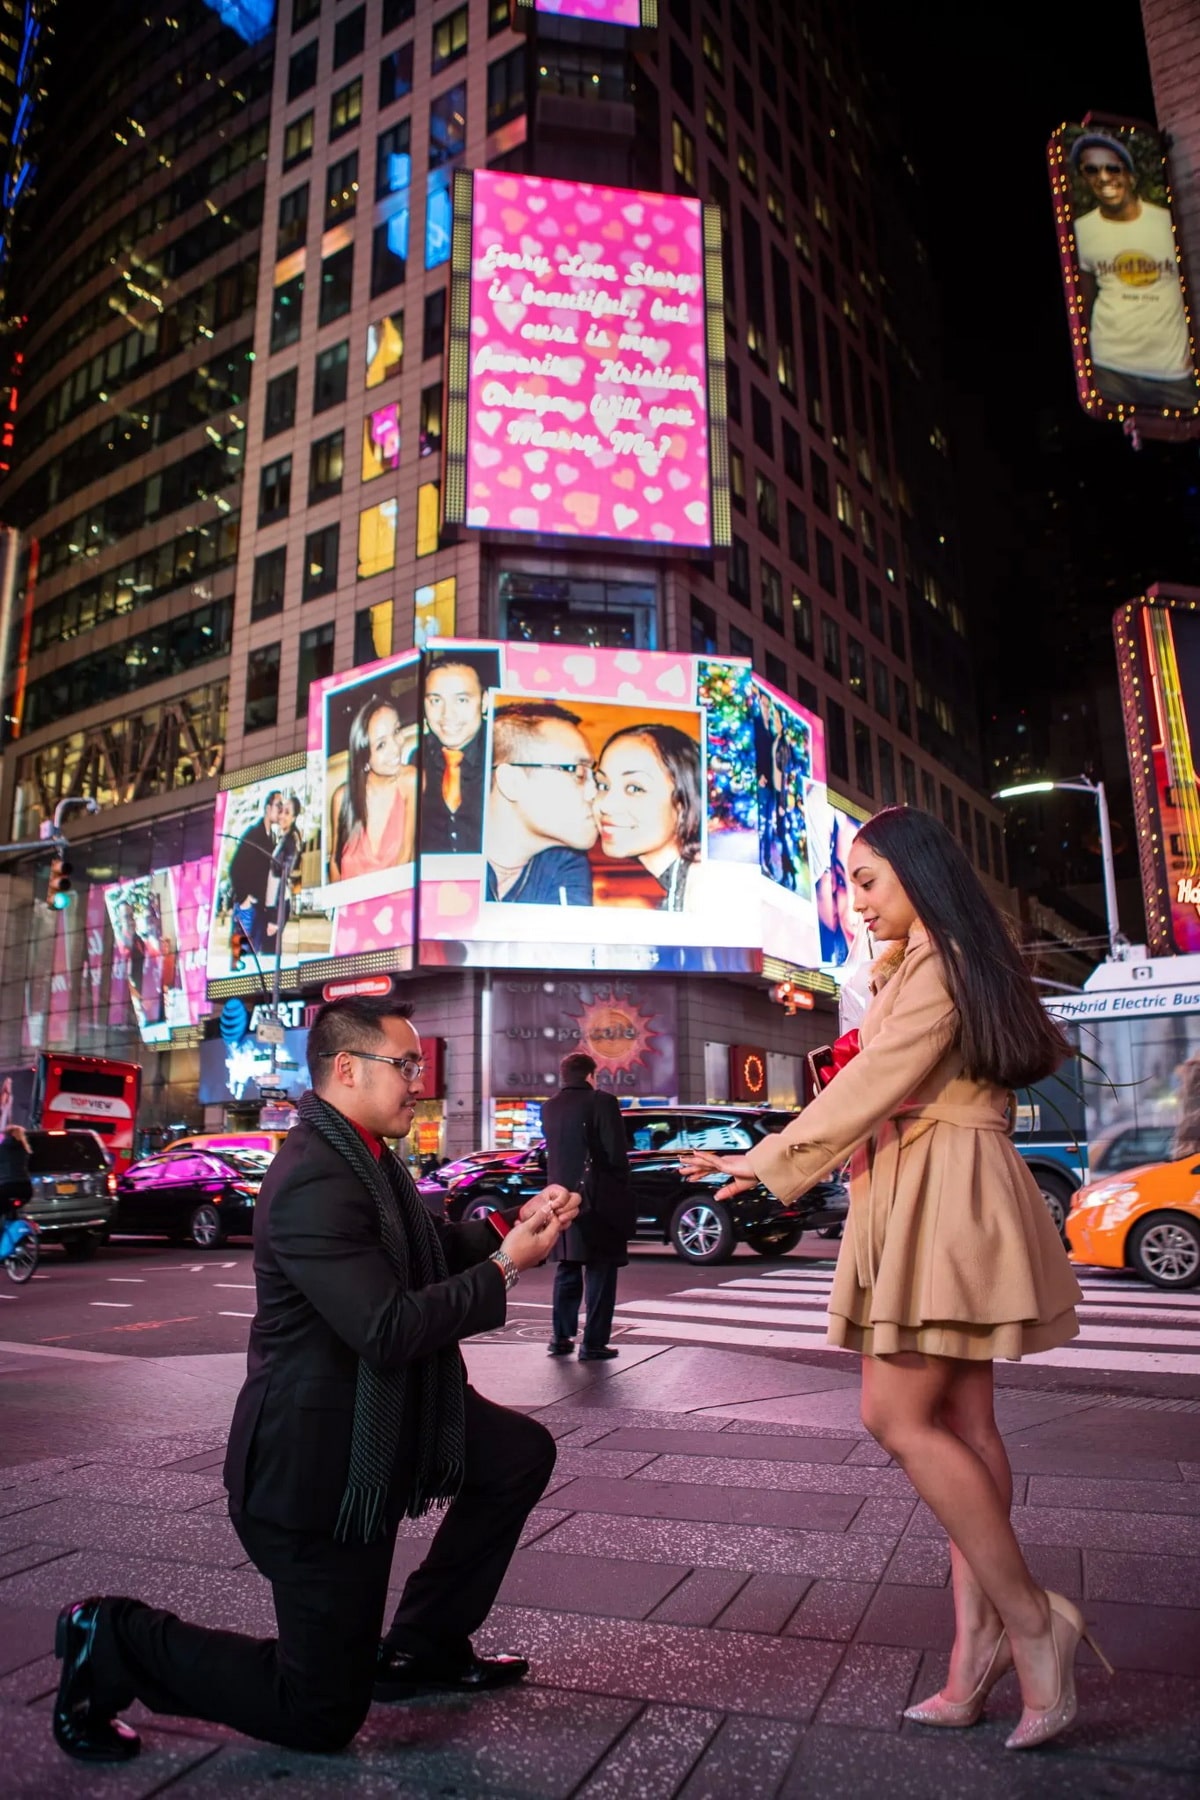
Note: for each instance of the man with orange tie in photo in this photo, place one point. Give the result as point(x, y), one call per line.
point(452, 782)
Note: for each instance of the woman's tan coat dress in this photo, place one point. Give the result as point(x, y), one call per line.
point(949, 1248)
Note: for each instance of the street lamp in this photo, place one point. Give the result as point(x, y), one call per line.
point(1082, 784)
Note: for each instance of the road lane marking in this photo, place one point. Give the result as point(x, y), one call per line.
point(244, 1286)
point(232, 1315)
point(126, 1304)
point(128, 1280)
point(154, 1324)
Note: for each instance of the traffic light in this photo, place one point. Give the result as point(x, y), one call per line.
point(239, 943)
point(59, 893)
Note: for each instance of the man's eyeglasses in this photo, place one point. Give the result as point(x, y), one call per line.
point(1102, 168)
point(580, 772)
point(411, 1067)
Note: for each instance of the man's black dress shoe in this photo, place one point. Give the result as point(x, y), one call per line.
point(80, 1730)
point(605, 1355)
point(560, 1346)
point(399, 1673)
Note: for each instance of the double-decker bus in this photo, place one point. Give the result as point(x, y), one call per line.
point(59, 1092)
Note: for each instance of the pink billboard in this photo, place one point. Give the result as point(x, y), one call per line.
point(579, 400)
point(599, 12)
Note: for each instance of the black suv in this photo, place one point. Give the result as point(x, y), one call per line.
point(74, 1191)
point(671, 1208)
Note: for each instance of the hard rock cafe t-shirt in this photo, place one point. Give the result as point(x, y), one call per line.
point(1138, 325)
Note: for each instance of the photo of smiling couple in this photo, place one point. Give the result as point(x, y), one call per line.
point(594, 804)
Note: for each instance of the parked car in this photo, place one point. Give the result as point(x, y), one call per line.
point(267, 1143)
point(1129, 1147)
point(74, 1191)
point(1146, 1219)
point(672, 1208)
point(192, 1196)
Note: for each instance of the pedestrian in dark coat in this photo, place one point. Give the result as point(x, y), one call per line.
point(355, 1413)
point(582, 1125)
point(15, 1186)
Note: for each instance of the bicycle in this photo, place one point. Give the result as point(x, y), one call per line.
point(19, 1248)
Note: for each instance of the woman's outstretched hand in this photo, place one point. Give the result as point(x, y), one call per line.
point(739, 1168)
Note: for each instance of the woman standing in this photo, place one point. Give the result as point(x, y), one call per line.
point(374, 811)
point(950, 1259)
point(648, 804)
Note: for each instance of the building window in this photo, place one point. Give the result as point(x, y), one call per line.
point(704, 628)
point(771, 591)
point(385, 348)
point(393, 160)
point(499, 16)
point(819, 476)
point(856, 668)
point(947, 808)
point(881, 688)
point(866, 527)
point(737, 479)
point(837, 748)
point(903, 707)
point(767, 500)
point(738, 570)
point(741, 643)
point(377, 539)
point(337, 282)
point(762, 420)
point(682, 80)
point(262, 687)
point(506, 88)
point(908, 781)
point(449, 39)
point(381, 441)
point(896, 622)
point(345, 108)
point(997, 838)
point(341, 189)
point(280, 410)
point(435, 607)
point(683, 154)
point(349, 36)
point(329, 376)
point(826, 564)
point(448, 125)
point(802, 622)
point(776, 208)
point(303, 11)
point(845, 506)
point(326, 465)
point(373, 632)
point(286, 306)
point(316, 662)
point(797, 529)
point(831, 647)
point(733, 391)
point(864, 761)
point(396, 75)
point(429, 508)
point(714, 121)
point(887, 773)
point(389, 253)
point(710, 48)
point(275, 490)
point(851, 588)
point(266, 595)
point(928, 792)
point(430, 442)
point(397, 13)
point(875, 611)
point(747, 163)
point(298, 141)
point(433, 331)
point(320, 562)
point(981, 842)
point(302, 71)
point(293, 222)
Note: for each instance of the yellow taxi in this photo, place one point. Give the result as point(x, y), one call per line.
point(1146, 1219)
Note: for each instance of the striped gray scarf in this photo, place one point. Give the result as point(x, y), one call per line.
point(413, 1249)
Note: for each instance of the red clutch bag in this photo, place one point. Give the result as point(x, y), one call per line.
point(825, 1064)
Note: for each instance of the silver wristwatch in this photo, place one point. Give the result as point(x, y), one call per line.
point(507, 1268)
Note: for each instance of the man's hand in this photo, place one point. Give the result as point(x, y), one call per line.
point(703, 1162)
point(533, 1236)
point(566, 1204)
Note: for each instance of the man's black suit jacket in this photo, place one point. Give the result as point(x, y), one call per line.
point(567, 1119)
point(326, 1296)
point(250, 866)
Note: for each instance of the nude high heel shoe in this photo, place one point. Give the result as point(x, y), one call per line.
point(958, 1713)
point(1067, 1627)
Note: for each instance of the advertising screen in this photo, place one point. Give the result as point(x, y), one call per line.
point(579, 380)
point(160, 928)
point(618, 814)
point(1131, 332)
point(789, 771)
point(598, 12)
point(265, 845)
point(1158, 660)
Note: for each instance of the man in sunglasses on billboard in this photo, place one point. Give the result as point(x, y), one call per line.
point(541, 819)
point(355, 1414)
point(1133, 298)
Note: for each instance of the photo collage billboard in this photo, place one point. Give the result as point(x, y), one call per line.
point(517, 805)
point(585, 389)
point(1127, 304)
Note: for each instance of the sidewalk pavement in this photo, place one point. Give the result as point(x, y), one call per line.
point(728, 1591)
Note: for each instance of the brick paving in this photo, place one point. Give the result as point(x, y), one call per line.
point(726, 1594)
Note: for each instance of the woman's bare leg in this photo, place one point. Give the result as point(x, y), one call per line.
point(968, 1411)
point(903, 1401)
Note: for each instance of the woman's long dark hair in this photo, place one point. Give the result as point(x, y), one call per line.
point(680, 757)
point(1006, 1034)
point(353, 810)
